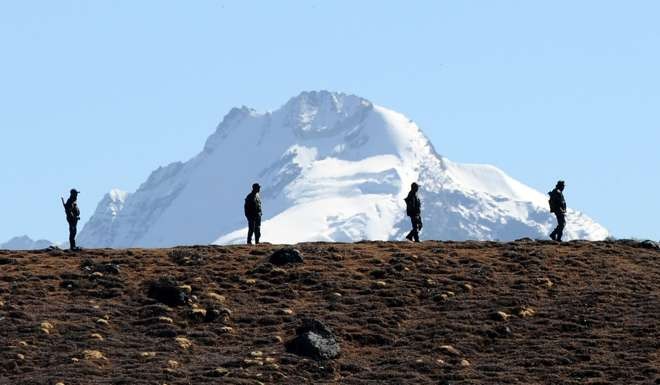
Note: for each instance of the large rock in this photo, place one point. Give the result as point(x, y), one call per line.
point(314, 340)
point(285, 256)
point(167, 291)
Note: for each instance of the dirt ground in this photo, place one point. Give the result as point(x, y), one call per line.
point(525, 312)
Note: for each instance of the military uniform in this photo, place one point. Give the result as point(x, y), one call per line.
point(414, 211)
point(72, 217)
point(558, 206)
point(253, 214)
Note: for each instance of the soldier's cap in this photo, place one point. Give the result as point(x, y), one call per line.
point(74, 191)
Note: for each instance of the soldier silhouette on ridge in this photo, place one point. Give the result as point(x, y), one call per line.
point(72, 217)
point(252, 209)
point(414, 211)
point(558, 206)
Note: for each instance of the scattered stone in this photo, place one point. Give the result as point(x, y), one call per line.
point(102, 321)
point(166, 320)
point(526, 312)
point(467, 287)
point(147, 355)
point(186, 289)
point(22, 343)
point(96, 336)
point(285, 311)
point(465, 363)
point(219, 372)
point(545, 282)
point(173, 365)
point(440, 362)
point(315, 340)
point(256, 353)
point(197, 314)
point(183, 342)
point(216, 297)
point(20, 356)
point(285, 256)
point(381, 283)
point(448, 349)
point(500, 316)
point(251, 281)
point(226, 329)
point(93, 355)
point(47, 327)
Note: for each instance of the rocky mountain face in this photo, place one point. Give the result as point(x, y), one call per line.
point(333, 167)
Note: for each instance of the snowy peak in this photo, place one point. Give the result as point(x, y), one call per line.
point(318, 114)
point(333, 167)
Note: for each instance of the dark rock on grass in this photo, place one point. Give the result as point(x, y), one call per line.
point(90, 266)
point(315, 340)
point(285, 256)
point(166, 290)
point(8, 261)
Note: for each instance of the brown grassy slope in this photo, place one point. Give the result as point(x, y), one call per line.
point(574, 313)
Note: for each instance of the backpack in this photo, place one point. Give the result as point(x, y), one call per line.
point(552, 202)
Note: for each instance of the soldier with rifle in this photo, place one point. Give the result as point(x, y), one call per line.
point(72, 217)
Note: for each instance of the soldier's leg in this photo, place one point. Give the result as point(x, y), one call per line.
point(561, 223)
point(257, 229)
point(553, 234)
point(72, 235)
point(250, 230)
point(416, 226)
point(411, 233)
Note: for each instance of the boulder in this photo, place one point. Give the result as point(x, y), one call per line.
point(285, 256)
point(314, 340)
point(166, 290)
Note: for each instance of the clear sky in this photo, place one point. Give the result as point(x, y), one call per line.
point(97, 94)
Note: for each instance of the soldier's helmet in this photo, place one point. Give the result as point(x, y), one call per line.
point(414, 186)
point(256, 186)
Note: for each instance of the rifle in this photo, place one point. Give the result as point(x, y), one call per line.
point(65, 210)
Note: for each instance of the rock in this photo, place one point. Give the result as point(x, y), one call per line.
point(167, 291)
point(47, 327)
point(183, 342)
point(251, 281)
point(173, 365)
point(285, 311)
point(197, 314)
point(166, 320)
point(216, 297)
point(102, 321)
point(20, 356)
point(650, 244)
point(147, 355)
point(96, 336)
point(465, 363)
point(315, 340)
point(500, 316)
point(93, 355)
point(218, 372)
point(526, 312)
point(448, 349)
point(285, 256)
point(226, 329)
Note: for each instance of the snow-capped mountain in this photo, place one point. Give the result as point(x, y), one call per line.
point(333, 167)
point(25, 243)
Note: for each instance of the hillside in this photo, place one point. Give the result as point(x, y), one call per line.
point(523, 312)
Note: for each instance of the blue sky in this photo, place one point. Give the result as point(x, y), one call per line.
point(97, 94)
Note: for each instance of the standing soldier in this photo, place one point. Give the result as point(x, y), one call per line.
point(72, 216)
point(253, 214)
point(414, 211)
point(558, 206)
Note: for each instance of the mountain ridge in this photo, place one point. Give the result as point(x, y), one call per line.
point(334, 167)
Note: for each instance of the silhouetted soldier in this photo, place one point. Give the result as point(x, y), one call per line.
point(558, 206)
point(414, 211)
point(72, 216)
point(253, 213)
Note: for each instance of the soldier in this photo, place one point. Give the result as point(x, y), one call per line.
point(72, 216)
point(252, 209)
point(558, 206)
point(414, 211)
